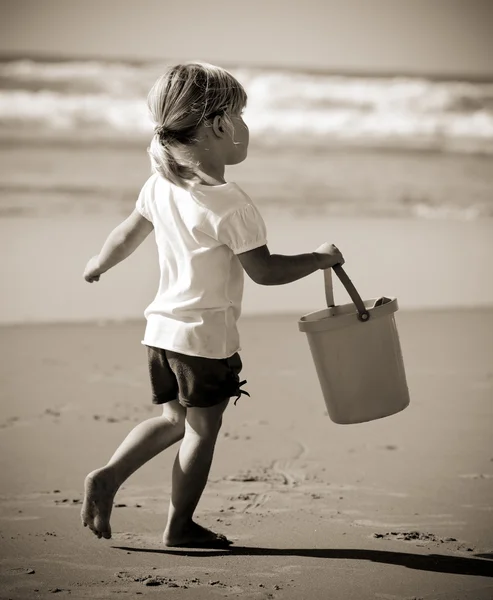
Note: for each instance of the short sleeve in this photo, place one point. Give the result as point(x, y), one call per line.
point(141, 204)
point(243, 230)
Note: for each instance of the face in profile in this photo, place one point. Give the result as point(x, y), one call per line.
point(238, 143)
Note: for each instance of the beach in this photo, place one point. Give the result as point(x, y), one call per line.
point(424, 263)
point(394, 170)
point(398, 508)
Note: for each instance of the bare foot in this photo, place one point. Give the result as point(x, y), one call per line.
point(196, 536)
point(99, 491)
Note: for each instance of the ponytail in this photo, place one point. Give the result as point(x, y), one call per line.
point(164, 162)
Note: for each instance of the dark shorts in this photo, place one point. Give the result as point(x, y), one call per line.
point(192, 380)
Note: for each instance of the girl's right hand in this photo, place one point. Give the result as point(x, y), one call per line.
point(328, 256)
point(92, 271)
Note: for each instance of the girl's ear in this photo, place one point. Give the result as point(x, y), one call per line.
point(218, 126)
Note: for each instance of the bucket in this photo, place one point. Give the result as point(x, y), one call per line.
point(357, 355)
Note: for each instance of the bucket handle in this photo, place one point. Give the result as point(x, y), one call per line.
point(363, 314)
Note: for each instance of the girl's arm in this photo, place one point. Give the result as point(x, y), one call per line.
point(120, 244)
point(277, 269)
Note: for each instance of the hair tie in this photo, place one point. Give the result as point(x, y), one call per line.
point(163, 132)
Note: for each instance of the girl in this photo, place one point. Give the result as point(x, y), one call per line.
point(207, 232)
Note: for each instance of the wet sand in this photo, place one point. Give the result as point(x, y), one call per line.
point(395, 509)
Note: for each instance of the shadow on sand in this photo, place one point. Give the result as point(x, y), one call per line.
point(439, 563)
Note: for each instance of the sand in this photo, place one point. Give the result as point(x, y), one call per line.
point(424, 263)
point(395, 509)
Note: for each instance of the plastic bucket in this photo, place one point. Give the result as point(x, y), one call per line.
point(357, 355)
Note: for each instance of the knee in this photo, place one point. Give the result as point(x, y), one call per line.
point(204, 431)
point(176, 415)
point(204, 426)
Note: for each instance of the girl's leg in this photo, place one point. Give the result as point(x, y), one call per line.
point(190, 471)
point(145, 441)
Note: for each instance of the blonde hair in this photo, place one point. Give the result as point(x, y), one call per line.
point(185, 97)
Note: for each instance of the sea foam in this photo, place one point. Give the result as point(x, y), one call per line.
point(108, 99)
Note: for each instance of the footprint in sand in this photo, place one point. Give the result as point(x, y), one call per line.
point(9, 422)
point(109, 419)
point(419, 536)
point(20, 571)
point(156, 580)
point(51, 412)
point(261, 475)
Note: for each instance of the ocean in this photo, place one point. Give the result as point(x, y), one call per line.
point(74, 133)
point(396, 171)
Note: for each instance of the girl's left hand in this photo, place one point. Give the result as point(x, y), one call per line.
point(92, 271)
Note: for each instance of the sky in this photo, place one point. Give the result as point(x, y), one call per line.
point(440, 37)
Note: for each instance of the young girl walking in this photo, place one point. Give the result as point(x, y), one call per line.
point(207, 232)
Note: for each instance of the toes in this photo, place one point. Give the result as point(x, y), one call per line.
point(212, 535)
point(224, 540)
point(93, 528)
point(101, 534)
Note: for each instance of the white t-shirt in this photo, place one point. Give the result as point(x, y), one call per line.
point(198, 233)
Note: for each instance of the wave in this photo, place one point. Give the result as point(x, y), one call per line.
point(100, 99)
